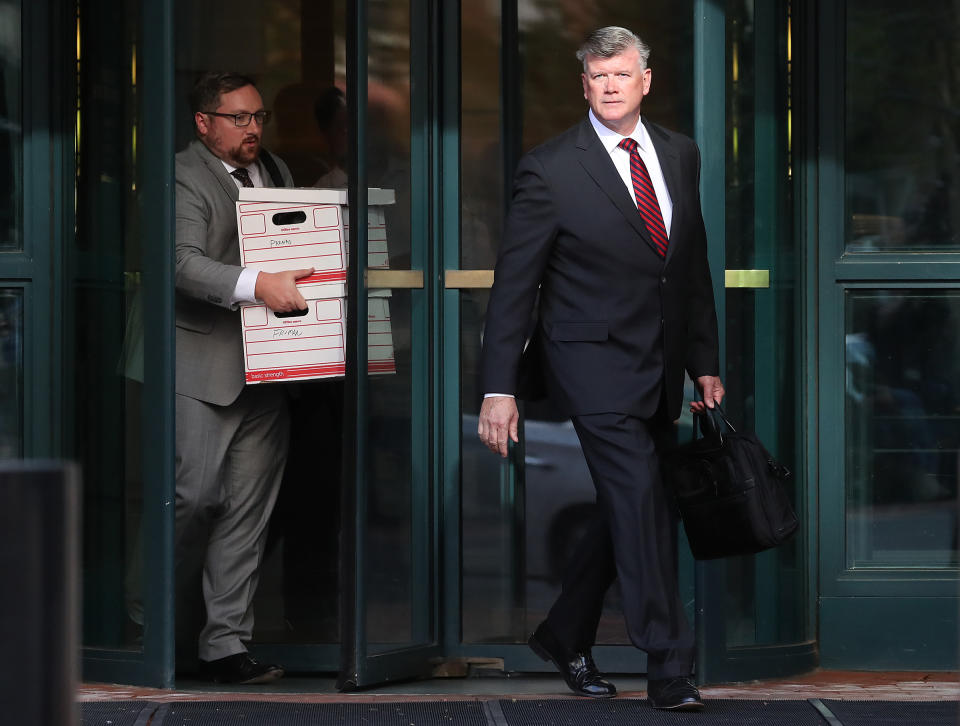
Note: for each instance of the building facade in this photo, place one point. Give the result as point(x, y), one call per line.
point(830, 187)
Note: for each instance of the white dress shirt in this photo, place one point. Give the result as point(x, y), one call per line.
point(245, 291)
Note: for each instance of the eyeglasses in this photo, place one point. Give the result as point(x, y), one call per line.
point(243, 119)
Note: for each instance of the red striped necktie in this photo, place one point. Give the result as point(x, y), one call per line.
point(647, 203)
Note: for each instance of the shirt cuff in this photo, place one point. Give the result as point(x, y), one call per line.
point(245, 291)
point(491, 395)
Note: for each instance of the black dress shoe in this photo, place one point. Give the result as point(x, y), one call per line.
point(577, 669)
point(239, 668)
point(674, 694)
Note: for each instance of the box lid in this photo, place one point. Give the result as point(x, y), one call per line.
point(312, 195)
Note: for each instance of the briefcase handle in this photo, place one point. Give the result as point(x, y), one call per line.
point(711, 423)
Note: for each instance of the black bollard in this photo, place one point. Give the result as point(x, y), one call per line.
point(39, 555)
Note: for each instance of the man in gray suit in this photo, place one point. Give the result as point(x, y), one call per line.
point(231, 438)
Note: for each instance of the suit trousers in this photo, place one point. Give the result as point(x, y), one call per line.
point(229, 463)
point(633, 537)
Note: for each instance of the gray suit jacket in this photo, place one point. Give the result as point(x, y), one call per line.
point(209, 341)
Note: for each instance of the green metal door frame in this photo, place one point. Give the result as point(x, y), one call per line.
point(361, 665)
point(709, 82)
point(435, 155)
point(862, 611)
point(449, 345)
point(708, 579)
point(32, 270)
point(154, 664)
point(48, 31)
point(716, 660)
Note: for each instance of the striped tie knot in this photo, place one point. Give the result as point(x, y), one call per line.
point(243, 176)
point(647, 203)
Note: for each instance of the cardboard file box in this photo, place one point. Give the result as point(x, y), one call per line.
point(291, 348)
point(288, 229)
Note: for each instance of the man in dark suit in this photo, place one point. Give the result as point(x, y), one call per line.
point(606, 223)
point(231, 439)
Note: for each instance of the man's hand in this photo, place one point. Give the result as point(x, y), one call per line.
point(278, 290)
point(712, 389)
point(499, 418)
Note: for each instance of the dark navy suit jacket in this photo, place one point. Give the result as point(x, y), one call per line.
point(618, 324)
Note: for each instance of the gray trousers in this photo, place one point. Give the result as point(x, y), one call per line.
point(229, 464)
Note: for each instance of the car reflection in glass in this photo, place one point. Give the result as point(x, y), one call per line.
point(534, 538)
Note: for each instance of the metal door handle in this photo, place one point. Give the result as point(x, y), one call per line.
point(383, 279)
point(747, 278)
point(472, 279)
point(454, 279)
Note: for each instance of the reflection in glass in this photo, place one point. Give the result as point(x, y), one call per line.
point(902, 428)
point(11, 133)
point(765, 594)
point(902, 157)
point(399, 596)
point(517, 526)
point(488, 566)
point(105, 327)
point(11, 374)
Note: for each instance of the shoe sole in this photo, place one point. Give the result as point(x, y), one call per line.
point(545, 655)
point(695, 706)
point(268, 677)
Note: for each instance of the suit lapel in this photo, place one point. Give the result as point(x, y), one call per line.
point(217, 168)
point(597, 163)
point(670, 166)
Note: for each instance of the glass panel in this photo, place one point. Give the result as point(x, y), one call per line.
point(399, 592)
point(11, 133)
point(902, 156)
point(104, 325)
point(765, 594)
point(296, 54)
point(902, 428)
point(488, 584)
point(512, 563)
point(11, 373)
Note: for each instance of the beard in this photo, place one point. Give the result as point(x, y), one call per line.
point(245, 153)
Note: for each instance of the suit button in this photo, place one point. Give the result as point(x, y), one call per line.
point(663, 280)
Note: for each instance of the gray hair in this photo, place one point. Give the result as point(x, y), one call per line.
point(610, 41)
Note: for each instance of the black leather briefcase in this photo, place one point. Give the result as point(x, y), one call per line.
point(729, 490)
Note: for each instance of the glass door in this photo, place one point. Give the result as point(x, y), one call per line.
point(519, 85)
point(348, 581)
point(389, 563)
point(888, 307)
point(117, 328)
point(756, 610)
point(722, 75)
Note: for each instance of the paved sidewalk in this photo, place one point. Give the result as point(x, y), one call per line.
point(840, 685)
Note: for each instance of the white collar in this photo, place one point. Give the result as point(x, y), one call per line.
point(231, 168)
point(611, 139)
